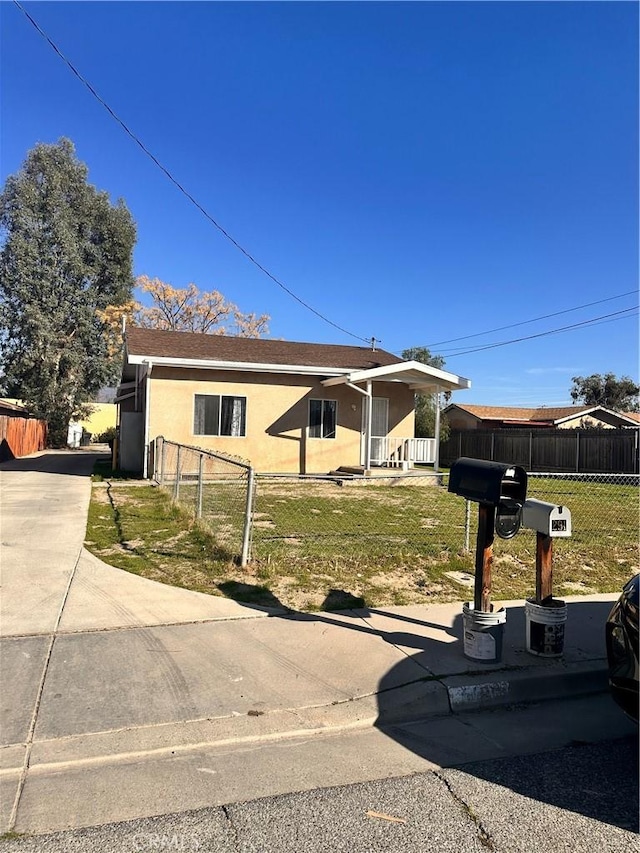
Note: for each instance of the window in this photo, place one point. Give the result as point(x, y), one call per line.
point(219, 415)
point(322, 418)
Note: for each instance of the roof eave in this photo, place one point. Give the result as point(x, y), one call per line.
point(244, 366)
point(408, 372)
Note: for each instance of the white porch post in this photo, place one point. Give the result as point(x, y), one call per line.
point(436, 456)
point(367, 426)
point(147, 407)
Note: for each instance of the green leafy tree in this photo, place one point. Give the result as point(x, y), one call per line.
point(425, 403)
point(606, 390)
point(65, 258)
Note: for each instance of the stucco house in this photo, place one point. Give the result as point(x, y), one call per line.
point(465, 417)
point(284, 406)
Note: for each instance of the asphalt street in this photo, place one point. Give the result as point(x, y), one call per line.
point(581, 797)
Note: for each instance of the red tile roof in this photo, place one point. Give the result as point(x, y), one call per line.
point(161, 344)
point(541, 414)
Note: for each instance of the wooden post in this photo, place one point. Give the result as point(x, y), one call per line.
point(484, 558)
point(544, 567)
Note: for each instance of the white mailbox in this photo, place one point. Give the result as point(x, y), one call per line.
point(550, 519)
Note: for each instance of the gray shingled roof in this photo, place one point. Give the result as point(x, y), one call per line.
point(161, 344)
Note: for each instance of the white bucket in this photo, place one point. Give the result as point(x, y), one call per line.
point(483, 633)
point(545, 627)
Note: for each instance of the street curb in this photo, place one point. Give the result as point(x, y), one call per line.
point(413, 702)
point(504, 688)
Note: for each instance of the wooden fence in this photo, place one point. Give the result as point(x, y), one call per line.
point(587, 451)
point(21, 436)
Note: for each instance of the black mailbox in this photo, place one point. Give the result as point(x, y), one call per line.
point(494, 484)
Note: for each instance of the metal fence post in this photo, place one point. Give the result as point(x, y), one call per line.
point(246, 538)
point(200, 484)
point(176, 485)
point(163, 459)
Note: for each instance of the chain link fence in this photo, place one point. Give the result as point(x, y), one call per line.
point(396, 519)
point(217, 489)
point(306, 530)
point(605, 517)
point(355, 521)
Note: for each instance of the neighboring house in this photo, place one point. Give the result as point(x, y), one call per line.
point(102, 417)
point(284, 406)
point(466, 417)
point(13, 409)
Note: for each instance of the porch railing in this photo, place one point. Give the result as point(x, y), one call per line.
point(400, 452)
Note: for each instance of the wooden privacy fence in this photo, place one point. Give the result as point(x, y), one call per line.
point(21, 436)
point(587, 451)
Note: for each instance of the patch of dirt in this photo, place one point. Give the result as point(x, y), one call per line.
point(173, 540)
point(117, 549)
point(577, 587)
point(508, 560)
point(329, 491)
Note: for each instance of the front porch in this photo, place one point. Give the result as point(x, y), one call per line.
point(396, 452)
point(378, 448)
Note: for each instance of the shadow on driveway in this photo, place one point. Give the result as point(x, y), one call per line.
point(78, 463)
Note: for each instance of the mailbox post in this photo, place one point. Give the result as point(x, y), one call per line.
point(484, 558)
point(550, 521)
point(545, 615)
point(500, 491)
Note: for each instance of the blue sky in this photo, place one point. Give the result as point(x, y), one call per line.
point(417, 172)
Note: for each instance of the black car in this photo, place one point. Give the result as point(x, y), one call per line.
point(622, 648)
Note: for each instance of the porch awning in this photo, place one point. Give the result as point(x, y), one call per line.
point(419, 377)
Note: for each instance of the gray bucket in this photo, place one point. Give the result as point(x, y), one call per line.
point(545, 627)
point(483, 633)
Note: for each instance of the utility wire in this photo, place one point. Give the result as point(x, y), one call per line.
point(594, 321)
point(525, 322)
point(178, 185)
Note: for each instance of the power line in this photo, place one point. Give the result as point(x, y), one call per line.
point(594, 321)
point(525, 322)
point(178, 185)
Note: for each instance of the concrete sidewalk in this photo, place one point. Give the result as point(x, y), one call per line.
point(112, 683)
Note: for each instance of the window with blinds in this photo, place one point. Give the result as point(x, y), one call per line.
point(217, 414)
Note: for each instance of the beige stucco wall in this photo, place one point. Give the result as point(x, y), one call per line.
point(277, 417)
